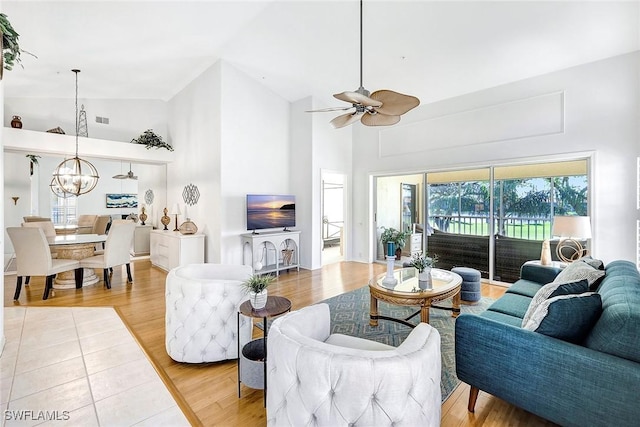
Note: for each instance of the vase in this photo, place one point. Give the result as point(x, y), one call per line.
point(188, 227)
point(143, 216)
point(391, 249)
point(424, 279)
point(165, 220)
point(16, 122)
point(258, 300)
point(545, 253)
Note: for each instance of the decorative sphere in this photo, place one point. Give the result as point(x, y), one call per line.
point(257, 265)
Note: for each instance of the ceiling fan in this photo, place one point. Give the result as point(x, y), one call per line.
point(129, 175)
point(380, 108)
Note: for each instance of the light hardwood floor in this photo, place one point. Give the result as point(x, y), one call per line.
point(207, 393)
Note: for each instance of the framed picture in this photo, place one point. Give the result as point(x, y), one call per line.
point(122, 200)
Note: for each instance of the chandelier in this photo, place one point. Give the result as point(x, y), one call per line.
point(75, 176)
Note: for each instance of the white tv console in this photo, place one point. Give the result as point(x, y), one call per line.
point(271, 252)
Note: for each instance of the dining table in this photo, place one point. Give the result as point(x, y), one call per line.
point(75, 246)
point(62, 229)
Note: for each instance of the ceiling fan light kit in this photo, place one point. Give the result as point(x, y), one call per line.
point(128, 175)
point(380, 108)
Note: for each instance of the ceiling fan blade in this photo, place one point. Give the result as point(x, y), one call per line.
point(394, 103)
point(373, 119)
point(357, 98)
point(120, 176)
point(345, 120)
point(324, 110)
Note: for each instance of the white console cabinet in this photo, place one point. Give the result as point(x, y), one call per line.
point(171, 249)
point(271, 252)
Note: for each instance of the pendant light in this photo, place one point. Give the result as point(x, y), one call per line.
point(75, 176)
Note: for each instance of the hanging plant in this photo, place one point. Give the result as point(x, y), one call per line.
point(150, 139)
point(10, 48)
point(33, 160)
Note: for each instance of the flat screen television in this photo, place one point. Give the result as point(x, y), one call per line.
point(270, 211)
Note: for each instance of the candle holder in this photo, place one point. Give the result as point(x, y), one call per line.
point(389, 279)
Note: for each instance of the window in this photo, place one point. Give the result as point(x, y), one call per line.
point(63, 209)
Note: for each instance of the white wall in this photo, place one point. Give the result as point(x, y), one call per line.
point(255, 152)
point(231, 138)
point(2, 224)
point(315, 146)
point(599, 110)
point(127, 118)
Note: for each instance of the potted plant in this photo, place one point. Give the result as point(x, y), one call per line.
point(150, 139)
point(257, 285)
point(10, 48)
point(394, 239)
point(424, 264)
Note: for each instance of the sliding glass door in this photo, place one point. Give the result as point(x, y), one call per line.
point(494, 219)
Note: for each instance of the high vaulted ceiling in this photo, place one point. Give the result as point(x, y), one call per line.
point(432, 50)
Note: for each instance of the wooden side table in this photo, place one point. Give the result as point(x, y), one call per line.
point(275, 306)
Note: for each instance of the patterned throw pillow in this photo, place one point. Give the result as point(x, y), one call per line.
point(551, 290)
point(579, 271)
point(567, 317)
point(593, 262)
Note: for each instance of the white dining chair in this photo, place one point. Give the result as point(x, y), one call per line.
point(49, 232)
point(101, 226)
point(116, 251)
point(33, 258)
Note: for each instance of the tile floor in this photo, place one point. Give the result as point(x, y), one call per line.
point(79, 367)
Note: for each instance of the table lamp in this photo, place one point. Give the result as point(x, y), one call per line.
point(570, 229)
point(175, 210)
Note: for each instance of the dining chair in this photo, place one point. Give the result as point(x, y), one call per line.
point(116, 251)
point(101, 226)
point(33, 258)
point(33, 218)
point(86, 223)
point(46, 226)
point(49, 232)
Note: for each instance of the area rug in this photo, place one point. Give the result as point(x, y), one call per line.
point(350, 316)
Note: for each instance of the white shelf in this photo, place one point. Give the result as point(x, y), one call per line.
point(268, 250)
point(30, 141)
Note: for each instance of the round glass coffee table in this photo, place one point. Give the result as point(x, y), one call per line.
point(406, 292)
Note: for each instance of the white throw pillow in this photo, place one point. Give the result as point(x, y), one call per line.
point(578, 271)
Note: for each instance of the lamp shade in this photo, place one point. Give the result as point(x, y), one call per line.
point(572, 226)
point(175, 209)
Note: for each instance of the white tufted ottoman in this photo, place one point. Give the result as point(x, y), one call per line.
point(202, 303)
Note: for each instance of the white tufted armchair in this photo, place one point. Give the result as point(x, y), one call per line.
point(201, 312)
point(318, 379)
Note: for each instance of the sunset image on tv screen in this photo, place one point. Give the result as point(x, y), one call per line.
point(270, 211)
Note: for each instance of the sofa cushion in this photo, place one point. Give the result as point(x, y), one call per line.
point(566, 317)
point(551, 290)
point(578, 271)
point(358, 343)
point(618, 330)
point(502, 318)
point(511, 304)
point(524, 287)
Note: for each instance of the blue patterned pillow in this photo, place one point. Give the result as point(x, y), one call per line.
point(567, 317)
point(551, 290)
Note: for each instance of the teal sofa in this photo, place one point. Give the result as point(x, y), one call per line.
point(591, 383)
